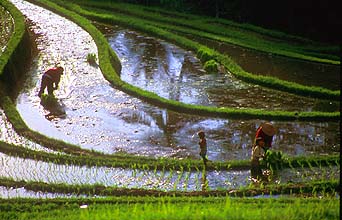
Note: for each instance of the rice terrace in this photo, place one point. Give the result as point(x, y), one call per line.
point(140, 110)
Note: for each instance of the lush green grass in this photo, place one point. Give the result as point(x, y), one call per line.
point(230, 65)
point(147, 163)
point(175, 205)
point(106, 58)
point(174, 208)
point(6, 27)
point(16, 37)
point(310, 188)
point(239, 34)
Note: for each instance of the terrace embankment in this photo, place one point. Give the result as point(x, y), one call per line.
point(93, 106)
point(21, 47)
point(102, 118)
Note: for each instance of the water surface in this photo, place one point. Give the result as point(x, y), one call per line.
point(101, 118)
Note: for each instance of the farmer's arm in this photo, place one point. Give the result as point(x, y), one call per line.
point(56, 81)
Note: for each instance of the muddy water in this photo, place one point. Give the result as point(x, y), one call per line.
point(30, 170)
point(6, 28)
point(176, 74)
point(289, 69)
point(101, 118)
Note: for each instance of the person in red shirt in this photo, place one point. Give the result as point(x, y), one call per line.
point(50, 77)
point(266, 132)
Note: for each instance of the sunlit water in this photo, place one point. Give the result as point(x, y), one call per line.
point(104, 119)
point(168, 180)
point(289, 69)
point(176, 74)
point(8, 135)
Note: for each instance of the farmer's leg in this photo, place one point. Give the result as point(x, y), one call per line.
point(50, 87)
point(43, 86)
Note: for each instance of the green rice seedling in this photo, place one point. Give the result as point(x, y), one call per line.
point(91, 58)
point(179, 177)
point(211, 66)
point(170, 174)
point(186, 180)
point(162, 173)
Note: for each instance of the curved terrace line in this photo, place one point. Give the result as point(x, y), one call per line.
point(100, 190)
point(205, 54)
point(190, 23)
point(300, 189)
point(106, 54)
point(16, 38)
point(22, 128)
point(157, 164)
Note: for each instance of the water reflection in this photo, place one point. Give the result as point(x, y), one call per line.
point(289, 69)
point(9, 135)
point(176, 74)
point(167, 180)
point(104, 119)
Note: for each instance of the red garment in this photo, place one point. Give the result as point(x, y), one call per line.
point(267, 139)
point(54, 74)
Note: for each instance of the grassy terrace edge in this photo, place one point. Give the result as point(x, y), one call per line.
point(170, 207)
point(205, 54)
point(324, 187)
point(19, 125)
point(106, 56)
point(209, 25)
point(136, 162)
point(16, 37)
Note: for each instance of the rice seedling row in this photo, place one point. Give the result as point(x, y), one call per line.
point(176, 180)
point(179, 179)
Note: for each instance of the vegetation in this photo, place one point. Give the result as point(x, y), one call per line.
point(172, 208)
point(16, 38)
point(129, 161)
point(229, 64)
point(222, 30)
point(91, 58)
point(133, 203)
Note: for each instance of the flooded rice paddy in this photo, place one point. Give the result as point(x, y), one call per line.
point(176, 74)
point(8, 135)
point(294, 70)
point(104, 119)
point(168, 180)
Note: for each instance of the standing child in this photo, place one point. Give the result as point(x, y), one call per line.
point(203, 146)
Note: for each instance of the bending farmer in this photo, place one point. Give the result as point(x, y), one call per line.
point(50, 77)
